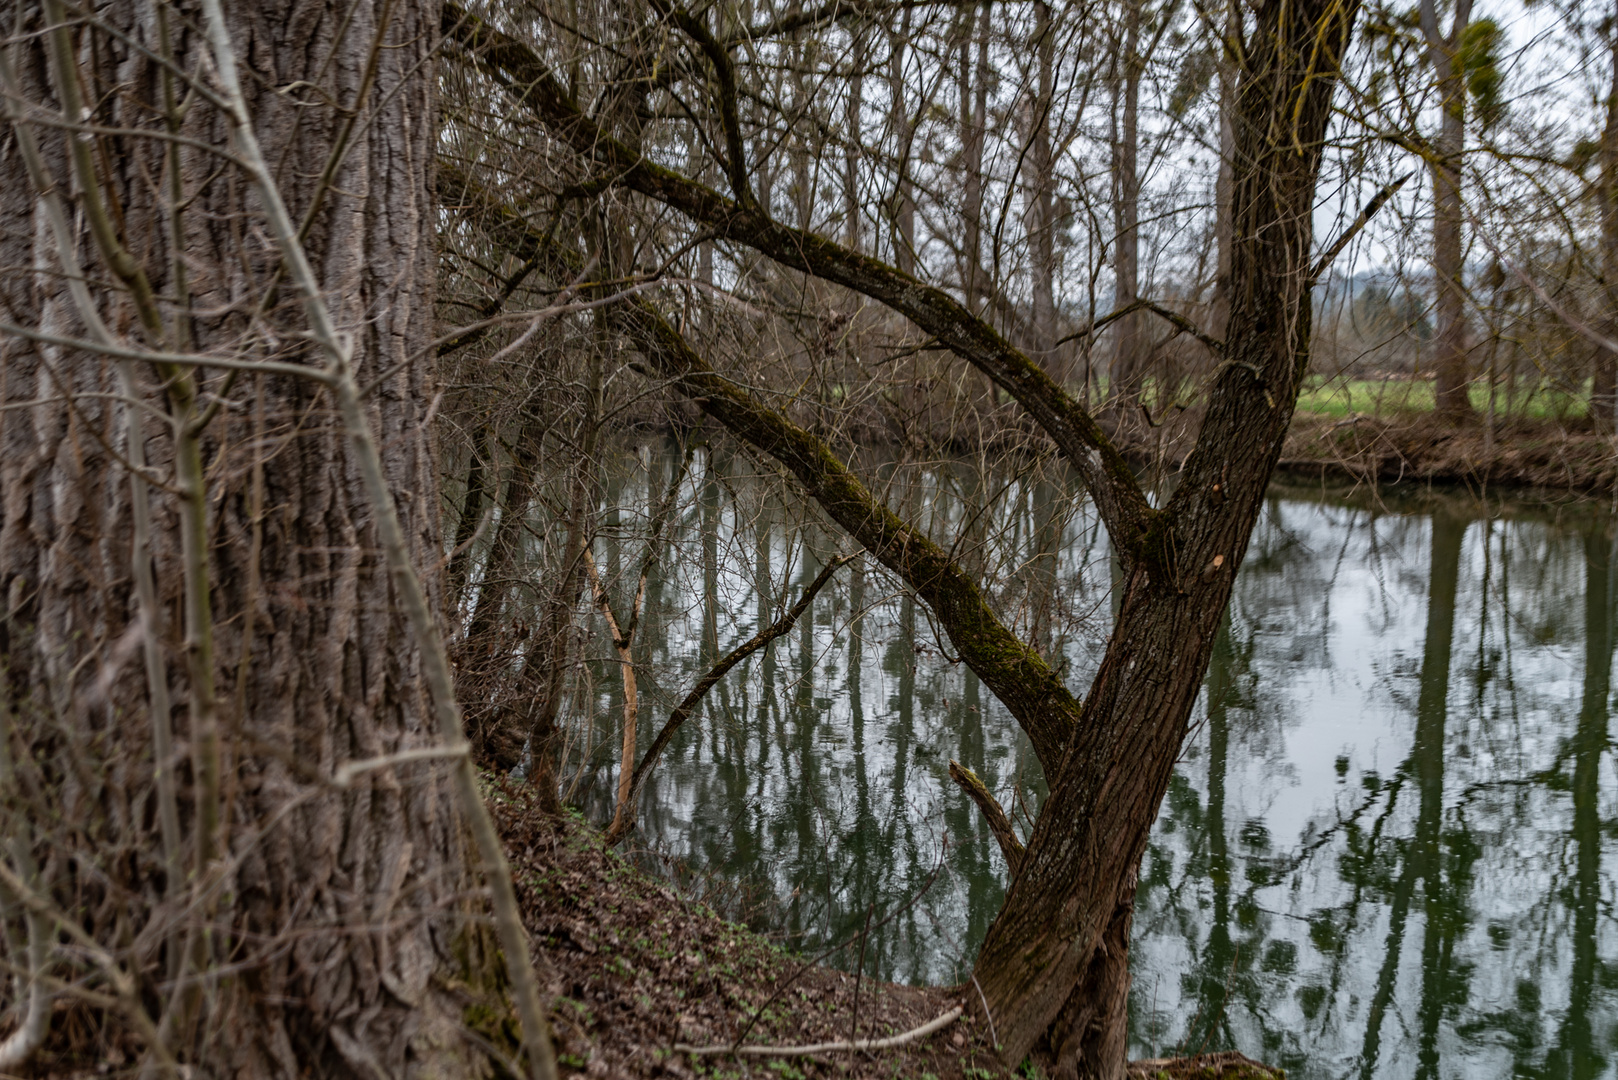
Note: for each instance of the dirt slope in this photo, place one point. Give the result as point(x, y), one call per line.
point(636, 969)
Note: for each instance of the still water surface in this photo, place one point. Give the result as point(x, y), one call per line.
point(1388, 850)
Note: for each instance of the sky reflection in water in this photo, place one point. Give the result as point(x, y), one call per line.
point(1388, 850)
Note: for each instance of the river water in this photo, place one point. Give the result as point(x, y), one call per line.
point(1388, 849)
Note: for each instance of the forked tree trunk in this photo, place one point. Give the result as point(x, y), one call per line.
point(343, 940)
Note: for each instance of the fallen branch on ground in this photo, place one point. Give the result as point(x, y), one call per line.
point(910, 1036)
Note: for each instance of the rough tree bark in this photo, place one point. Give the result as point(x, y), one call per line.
point(1055, 962)
point(343, 920)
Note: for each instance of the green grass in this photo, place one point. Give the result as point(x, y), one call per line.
point(1339, 398)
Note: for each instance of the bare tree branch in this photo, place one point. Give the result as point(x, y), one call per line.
point(625, 820)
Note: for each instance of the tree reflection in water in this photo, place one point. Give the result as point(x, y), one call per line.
point(1437, 907)
point(1382, 855)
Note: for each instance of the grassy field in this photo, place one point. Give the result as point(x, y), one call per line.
point(1339, 397)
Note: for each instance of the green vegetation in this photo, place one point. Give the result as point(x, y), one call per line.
point(1339, 398)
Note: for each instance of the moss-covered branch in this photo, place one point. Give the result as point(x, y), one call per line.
point(1008, 666)
point(993, 813)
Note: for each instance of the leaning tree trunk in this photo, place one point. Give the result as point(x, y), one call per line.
point(1055, 962)
point(327, 930)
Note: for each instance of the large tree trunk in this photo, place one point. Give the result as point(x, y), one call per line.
point(339, 937)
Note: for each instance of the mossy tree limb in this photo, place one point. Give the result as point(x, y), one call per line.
point(999, 823)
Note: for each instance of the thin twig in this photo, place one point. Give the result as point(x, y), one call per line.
point(1328, 256)
point(346, 773)
point(155, 356)
point(123, 984)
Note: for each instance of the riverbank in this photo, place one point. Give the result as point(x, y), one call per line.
point(634, 968)
point(1396, 447)
point(1422, 449)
